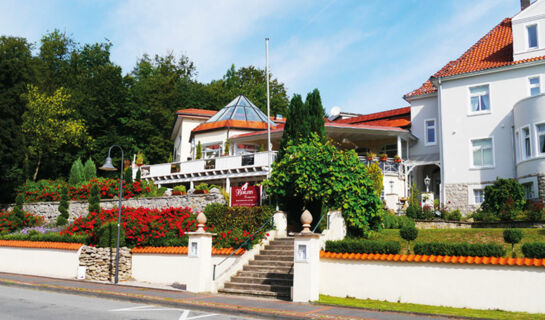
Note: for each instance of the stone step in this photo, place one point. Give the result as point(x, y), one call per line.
point(269, 269)
point(278, 295)
point(274, 258)
point(278, 247)
point(265, 274)
point(283, 241)
point(269, 263)
point(258, 287)
point(268, 252)
point(268, 281)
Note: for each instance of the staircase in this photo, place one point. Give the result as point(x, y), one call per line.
point(270, 274)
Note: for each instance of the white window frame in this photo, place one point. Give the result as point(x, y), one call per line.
point(471, 163)
point(475, 198)
point(471, 193)
point(523, 144)
point(534, 182)
point(528, 36)
point(531, 86)
point(427, 142)
point(470, 108)
point(518, 157)
point(536, 144)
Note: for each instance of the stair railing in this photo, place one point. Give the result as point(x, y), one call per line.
point(242, 245)
point(319, 221)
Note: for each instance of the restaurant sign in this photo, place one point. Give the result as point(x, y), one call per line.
point(245, 196)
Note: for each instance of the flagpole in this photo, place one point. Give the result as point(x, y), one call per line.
point(268, 110)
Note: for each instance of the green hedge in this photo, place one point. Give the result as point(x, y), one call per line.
point(390, 221)
point(363, 246)
point(460, 249)
point(47, 237)
point(534, 250)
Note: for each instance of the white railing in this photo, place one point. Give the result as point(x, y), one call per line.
point(259, 159)
point(389, 166)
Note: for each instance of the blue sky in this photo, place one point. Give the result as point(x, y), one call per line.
point(362, 55)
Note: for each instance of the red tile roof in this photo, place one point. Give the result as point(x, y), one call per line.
point(239, 124)
point(196, 112)
point(182, 250)
point(40, 244)
point(493, 50)
point(435, 259)
point(404, 113)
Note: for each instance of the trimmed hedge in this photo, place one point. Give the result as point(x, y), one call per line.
point(47, 237)
point(534, 250)
point(460, 249)
point(363, 246)
point(390, 221)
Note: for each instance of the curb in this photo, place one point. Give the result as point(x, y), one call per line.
point(236, 310)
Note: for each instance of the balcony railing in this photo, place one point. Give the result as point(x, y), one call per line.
point(259, 159)
point(390, 166)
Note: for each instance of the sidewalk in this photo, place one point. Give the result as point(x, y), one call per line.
point(254, 307)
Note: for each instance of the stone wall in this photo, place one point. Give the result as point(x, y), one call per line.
point(541, 186)
point(440, 224)
point(456, 196)
point(100, 263)
point(197, 202)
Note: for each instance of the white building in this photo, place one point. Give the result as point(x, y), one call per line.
point(480, 117)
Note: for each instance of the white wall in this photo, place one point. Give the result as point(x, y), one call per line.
point(40, 262)
point(530, 112)
point(440, 284)
point(457, 127)
point(170, 268)
point(217, 136)
point(421, 110)
point(392, 198)
point(532, 15)
point(184, 134)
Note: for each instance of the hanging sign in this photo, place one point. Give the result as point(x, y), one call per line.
point(245, 196)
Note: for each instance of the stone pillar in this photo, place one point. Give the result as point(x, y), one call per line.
point(228, 185)
point(200, 258)
point(191, 185)
point(306, 265)
point(280, 219)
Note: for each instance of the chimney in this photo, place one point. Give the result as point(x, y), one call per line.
point(524, 4)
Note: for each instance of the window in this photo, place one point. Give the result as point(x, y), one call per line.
point(532, 36)
point(389, 149)
point(430, 132)
point(478, 195)
point(211, 151)
point(540, 128)
point(480, 98)
point(526, 143)
point(528, 190)
point(482, 153)
point(535, 87)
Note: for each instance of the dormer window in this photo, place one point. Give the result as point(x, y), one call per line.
point(532, 36)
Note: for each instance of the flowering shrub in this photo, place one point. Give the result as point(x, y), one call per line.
point(10, 223)
point(50, 190)
point(143, 226)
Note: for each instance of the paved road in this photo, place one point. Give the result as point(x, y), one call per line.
point(21, 303)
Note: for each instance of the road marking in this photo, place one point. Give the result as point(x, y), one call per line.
point(185, 314)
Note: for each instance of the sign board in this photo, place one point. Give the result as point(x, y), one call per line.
point(245, 196)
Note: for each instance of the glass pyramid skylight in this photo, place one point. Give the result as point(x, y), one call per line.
point(240, 109)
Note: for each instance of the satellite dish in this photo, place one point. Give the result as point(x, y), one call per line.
point(335, 112)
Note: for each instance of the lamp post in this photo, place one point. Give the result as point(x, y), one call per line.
point(427, 181)
point(108, 166)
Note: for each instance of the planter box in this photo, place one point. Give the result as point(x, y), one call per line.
point(201, 192)
point(178, 193)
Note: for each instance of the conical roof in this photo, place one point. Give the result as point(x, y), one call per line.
point(239, 113)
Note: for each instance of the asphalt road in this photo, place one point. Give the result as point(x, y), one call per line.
point(21, 303)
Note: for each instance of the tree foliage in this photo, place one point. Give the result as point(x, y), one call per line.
point(62, 219)
point(316, 171)
point(503, 193)
point(375, 174)
point(89, 170)
point(77, 174)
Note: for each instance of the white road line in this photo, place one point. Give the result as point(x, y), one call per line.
point(184, 315)
point(139, 308)
point(202, 316)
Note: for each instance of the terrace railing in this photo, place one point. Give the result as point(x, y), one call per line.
point(390, 166)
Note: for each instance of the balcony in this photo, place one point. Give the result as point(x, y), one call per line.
point(247, 165)
point(388, 167)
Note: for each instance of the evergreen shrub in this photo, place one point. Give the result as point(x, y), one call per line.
point(363, 246)
point(77, 175)
point(512, 236)
point(62, 219)
point(89, 170)
point(534, 250)
point(107, 236)
point(460, 249)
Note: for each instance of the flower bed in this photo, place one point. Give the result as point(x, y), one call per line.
point(9, 222)
point(50, 190)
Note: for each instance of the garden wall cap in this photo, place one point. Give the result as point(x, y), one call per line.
point(40, 244)
point(306, 220)
point(201, 221)
point(182, 250)
point(521, 262)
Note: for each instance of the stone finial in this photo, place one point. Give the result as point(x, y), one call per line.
point(201, 221)
point(306, 220)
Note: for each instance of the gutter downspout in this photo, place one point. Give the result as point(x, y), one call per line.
point(441, 143)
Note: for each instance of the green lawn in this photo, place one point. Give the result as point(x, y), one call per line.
point(420, 308)
point(464, 235)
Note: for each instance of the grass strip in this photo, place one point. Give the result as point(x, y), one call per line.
point(421, 308)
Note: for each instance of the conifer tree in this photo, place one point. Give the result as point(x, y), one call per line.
point(94, 199)
point(18, 209)
point(127, 178)
point(316, 113)
point(62, 219)
point(199, 151)
point(89, 170)
point(296, 125)
point(138, 175)
point(76, 173)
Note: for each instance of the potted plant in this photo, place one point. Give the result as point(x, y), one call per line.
point(370, 156)
point(139, 159)
point(226, 148)
point(201, 188)
point(383, 157)
point(179, 190)
point(397, 159)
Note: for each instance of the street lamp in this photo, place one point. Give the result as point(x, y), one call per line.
point(427, 181)
point(108, 166)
